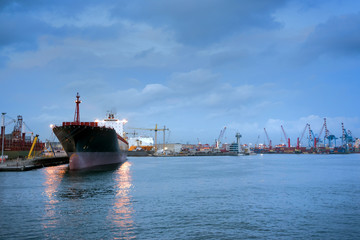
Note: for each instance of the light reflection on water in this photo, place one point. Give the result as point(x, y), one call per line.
point(53, 177)
point(102, 194)
point(257, 197)
point(121, 213)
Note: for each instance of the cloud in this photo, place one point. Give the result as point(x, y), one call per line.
point(197, 92)
point(152, 90)
point(193, 81)
point(90, 16)
point(204, 21)
point(130, 48)
point(192, 64)
point(141, 33)
point(150, 95)
point(339, 36)
point(50, 107)
point(20, 31)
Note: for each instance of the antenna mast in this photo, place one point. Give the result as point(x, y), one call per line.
point(77, 111)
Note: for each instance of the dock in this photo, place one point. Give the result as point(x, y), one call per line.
point(30, 164)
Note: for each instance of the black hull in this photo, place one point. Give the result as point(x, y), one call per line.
point(89, 146)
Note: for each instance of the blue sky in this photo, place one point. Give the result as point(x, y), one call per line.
point(194, 66)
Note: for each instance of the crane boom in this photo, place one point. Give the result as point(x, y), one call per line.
point(156, 129)
point(302, 135)
point(327, 133)
point(312, 138)
point(322, 128)
point(33, 145)
point(220, 137)
point(286, 138)
point(222, 133)
point(267, 136)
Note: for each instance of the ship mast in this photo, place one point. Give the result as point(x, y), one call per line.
point(77, 111)
point(2, 136)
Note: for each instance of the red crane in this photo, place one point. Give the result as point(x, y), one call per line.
point(286, 138)
point(269, 141)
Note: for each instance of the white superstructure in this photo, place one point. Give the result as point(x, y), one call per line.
point(112, 122)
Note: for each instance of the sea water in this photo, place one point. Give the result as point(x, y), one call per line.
point(303, 196)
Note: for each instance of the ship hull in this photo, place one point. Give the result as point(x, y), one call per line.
point(81, 160)
point(91, 146)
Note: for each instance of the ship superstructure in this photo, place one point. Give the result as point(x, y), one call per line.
point(111, 122)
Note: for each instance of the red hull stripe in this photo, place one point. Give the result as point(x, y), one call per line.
point(122, 139)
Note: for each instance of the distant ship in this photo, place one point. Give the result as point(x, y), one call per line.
point(91, 144)
point(141, 143)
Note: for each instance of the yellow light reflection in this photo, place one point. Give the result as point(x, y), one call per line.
point(121, 213)
point(53, 178)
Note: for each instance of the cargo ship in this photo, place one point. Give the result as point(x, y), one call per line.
point(17, 144)
point(92, 144)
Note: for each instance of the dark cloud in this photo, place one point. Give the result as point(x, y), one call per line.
point(193, 22)
point(20, 30)
point(68, 7)
point(203, 21)
point(337, 37)
point(21, 23)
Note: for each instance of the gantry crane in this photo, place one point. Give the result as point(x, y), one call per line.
point(347, 139)
point(156, 129)
point(312, 139)
point(329, 136)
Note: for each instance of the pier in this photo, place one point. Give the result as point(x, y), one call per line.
point(30, 164)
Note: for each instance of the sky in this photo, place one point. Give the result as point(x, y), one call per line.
point(192, 66)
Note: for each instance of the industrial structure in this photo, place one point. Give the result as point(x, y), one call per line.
point(156, 129)
point(17, 144)
point(323, 142)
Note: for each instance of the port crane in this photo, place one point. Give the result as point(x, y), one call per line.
point(156, 129)
point(218, 141)
point(313, 140)
point(329, 136)
point(286, 138)
point(32, 147)
point(257, 141)
point(346, 138)
point(321, 131)
point(269, 140)
point(318, 138)
point(302, 135)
